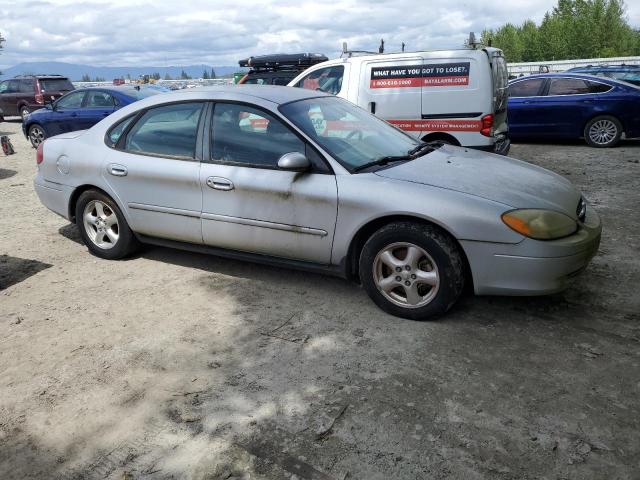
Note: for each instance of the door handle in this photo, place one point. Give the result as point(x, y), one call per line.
point(117, 170)
point(219, 183)
point(73, 115)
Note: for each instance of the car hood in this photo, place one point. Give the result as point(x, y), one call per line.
point(501, 179)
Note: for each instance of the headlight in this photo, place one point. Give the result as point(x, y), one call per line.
point(540, 224)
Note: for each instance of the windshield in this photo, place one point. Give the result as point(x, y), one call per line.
point(351, 135)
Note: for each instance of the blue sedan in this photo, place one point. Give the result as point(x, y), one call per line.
point(570, 105)
point(79, 110)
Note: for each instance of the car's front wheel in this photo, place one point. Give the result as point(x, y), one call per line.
point(603, 131)
point(37, 135)
point(103, 227)
point(412, 270)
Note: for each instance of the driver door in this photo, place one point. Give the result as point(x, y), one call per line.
point(65, 116)
point(249, 204)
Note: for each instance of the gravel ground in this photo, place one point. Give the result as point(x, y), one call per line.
point(179, 365)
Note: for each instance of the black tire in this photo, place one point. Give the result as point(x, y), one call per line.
point(445, 255)
point(126, 242)
point(37, 134)
point(24, 111)
point(611, 131)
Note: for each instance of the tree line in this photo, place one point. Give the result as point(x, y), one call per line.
point(573, 29)
point(206, 74)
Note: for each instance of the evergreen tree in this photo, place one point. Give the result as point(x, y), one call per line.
point(572, 29)
point(213, 73)
point(167, 76)
point(86, 78)
point(205, 75)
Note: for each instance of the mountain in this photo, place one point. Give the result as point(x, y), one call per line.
point(75, 72)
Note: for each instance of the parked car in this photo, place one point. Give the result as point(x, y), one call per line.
point(81, 109)
point(278, 69)
point(413, 221)
point(626, 73)
point(574, 105)
point(456, 96)
point(24, 94)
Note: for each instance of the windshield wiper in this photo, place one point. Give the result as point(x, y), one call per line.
point(383, 161)
point(422, 148)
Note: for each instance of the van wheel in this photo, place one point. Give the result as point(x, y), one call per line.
point(412, 270)
point(603, 131)
point(103, 227)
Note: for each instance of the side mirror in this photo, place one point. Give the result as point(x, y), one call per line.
point(294, 161)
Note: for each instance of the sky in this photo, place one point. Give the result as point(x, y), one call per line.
point(220, 32)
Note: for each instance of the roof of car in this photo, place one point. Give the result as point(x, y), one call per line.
point(271, 93)
point(583, 76)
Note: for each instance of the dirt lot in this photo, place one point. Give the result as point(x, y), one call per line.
point(179, 365)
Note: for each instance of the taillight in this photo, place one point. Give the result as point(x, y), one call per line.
point(39, 154)
point(487, 125)
point(39, 95)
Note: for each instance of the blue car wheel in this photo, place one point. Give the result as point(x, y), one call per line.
point(603, 131)
point(36, 134)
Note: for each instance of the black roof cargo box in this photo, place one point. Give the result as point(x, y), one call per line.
point(283, 61)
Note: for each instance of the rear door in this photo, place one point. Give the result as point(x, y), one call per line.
point(10, 90)
point(97, 105)
point(249, 204)
point(154, 168)
point(567, 106)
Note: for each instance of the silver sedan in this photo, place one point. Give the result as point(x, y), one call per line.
point(302, 179)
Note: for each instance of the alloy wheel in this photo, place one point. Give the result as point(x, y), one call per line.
point(101, 224)
point(406, 275)
point(36, 135)
point(603, 132)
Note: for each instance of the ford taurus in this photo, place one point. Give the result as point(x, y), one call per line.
point(302, 179)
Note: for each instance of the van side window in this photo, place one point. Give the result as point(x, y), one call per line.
point(328, 80)
point(526, 88)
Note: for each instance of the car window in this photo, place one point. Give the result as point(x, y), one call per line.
point(328, 79)
point(72, 100)
point(526, 88)
point(4, 87)
point(245, 135)
point(595, 87)
point(169, 130)
point(55, 85)
point(26, 86)
point(98, 99)
point(116, 132)
point(282, 81)
point(12, 86)
point(568, 86)
point(347, 132)
point(255, 81)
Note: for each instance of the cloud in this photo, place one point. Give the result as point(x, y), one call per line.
point(162, 33)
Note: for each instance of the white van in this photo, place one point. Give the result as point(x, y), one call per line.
point(457, 96)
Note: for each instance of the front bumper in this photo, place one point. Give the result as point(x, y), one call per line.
point(533, 267)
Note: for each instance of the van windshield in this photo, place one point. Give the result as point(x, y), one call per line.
point(351, 135)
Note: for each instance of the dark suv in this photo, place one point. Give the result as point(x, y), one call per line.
point(24, 94)
point(277, 69)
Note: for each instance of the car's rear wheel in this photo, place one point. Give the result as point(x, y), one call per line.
point(603, 131)
point(24, 111)
point(37, 135)
point(412, 270)
point(103, 227)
